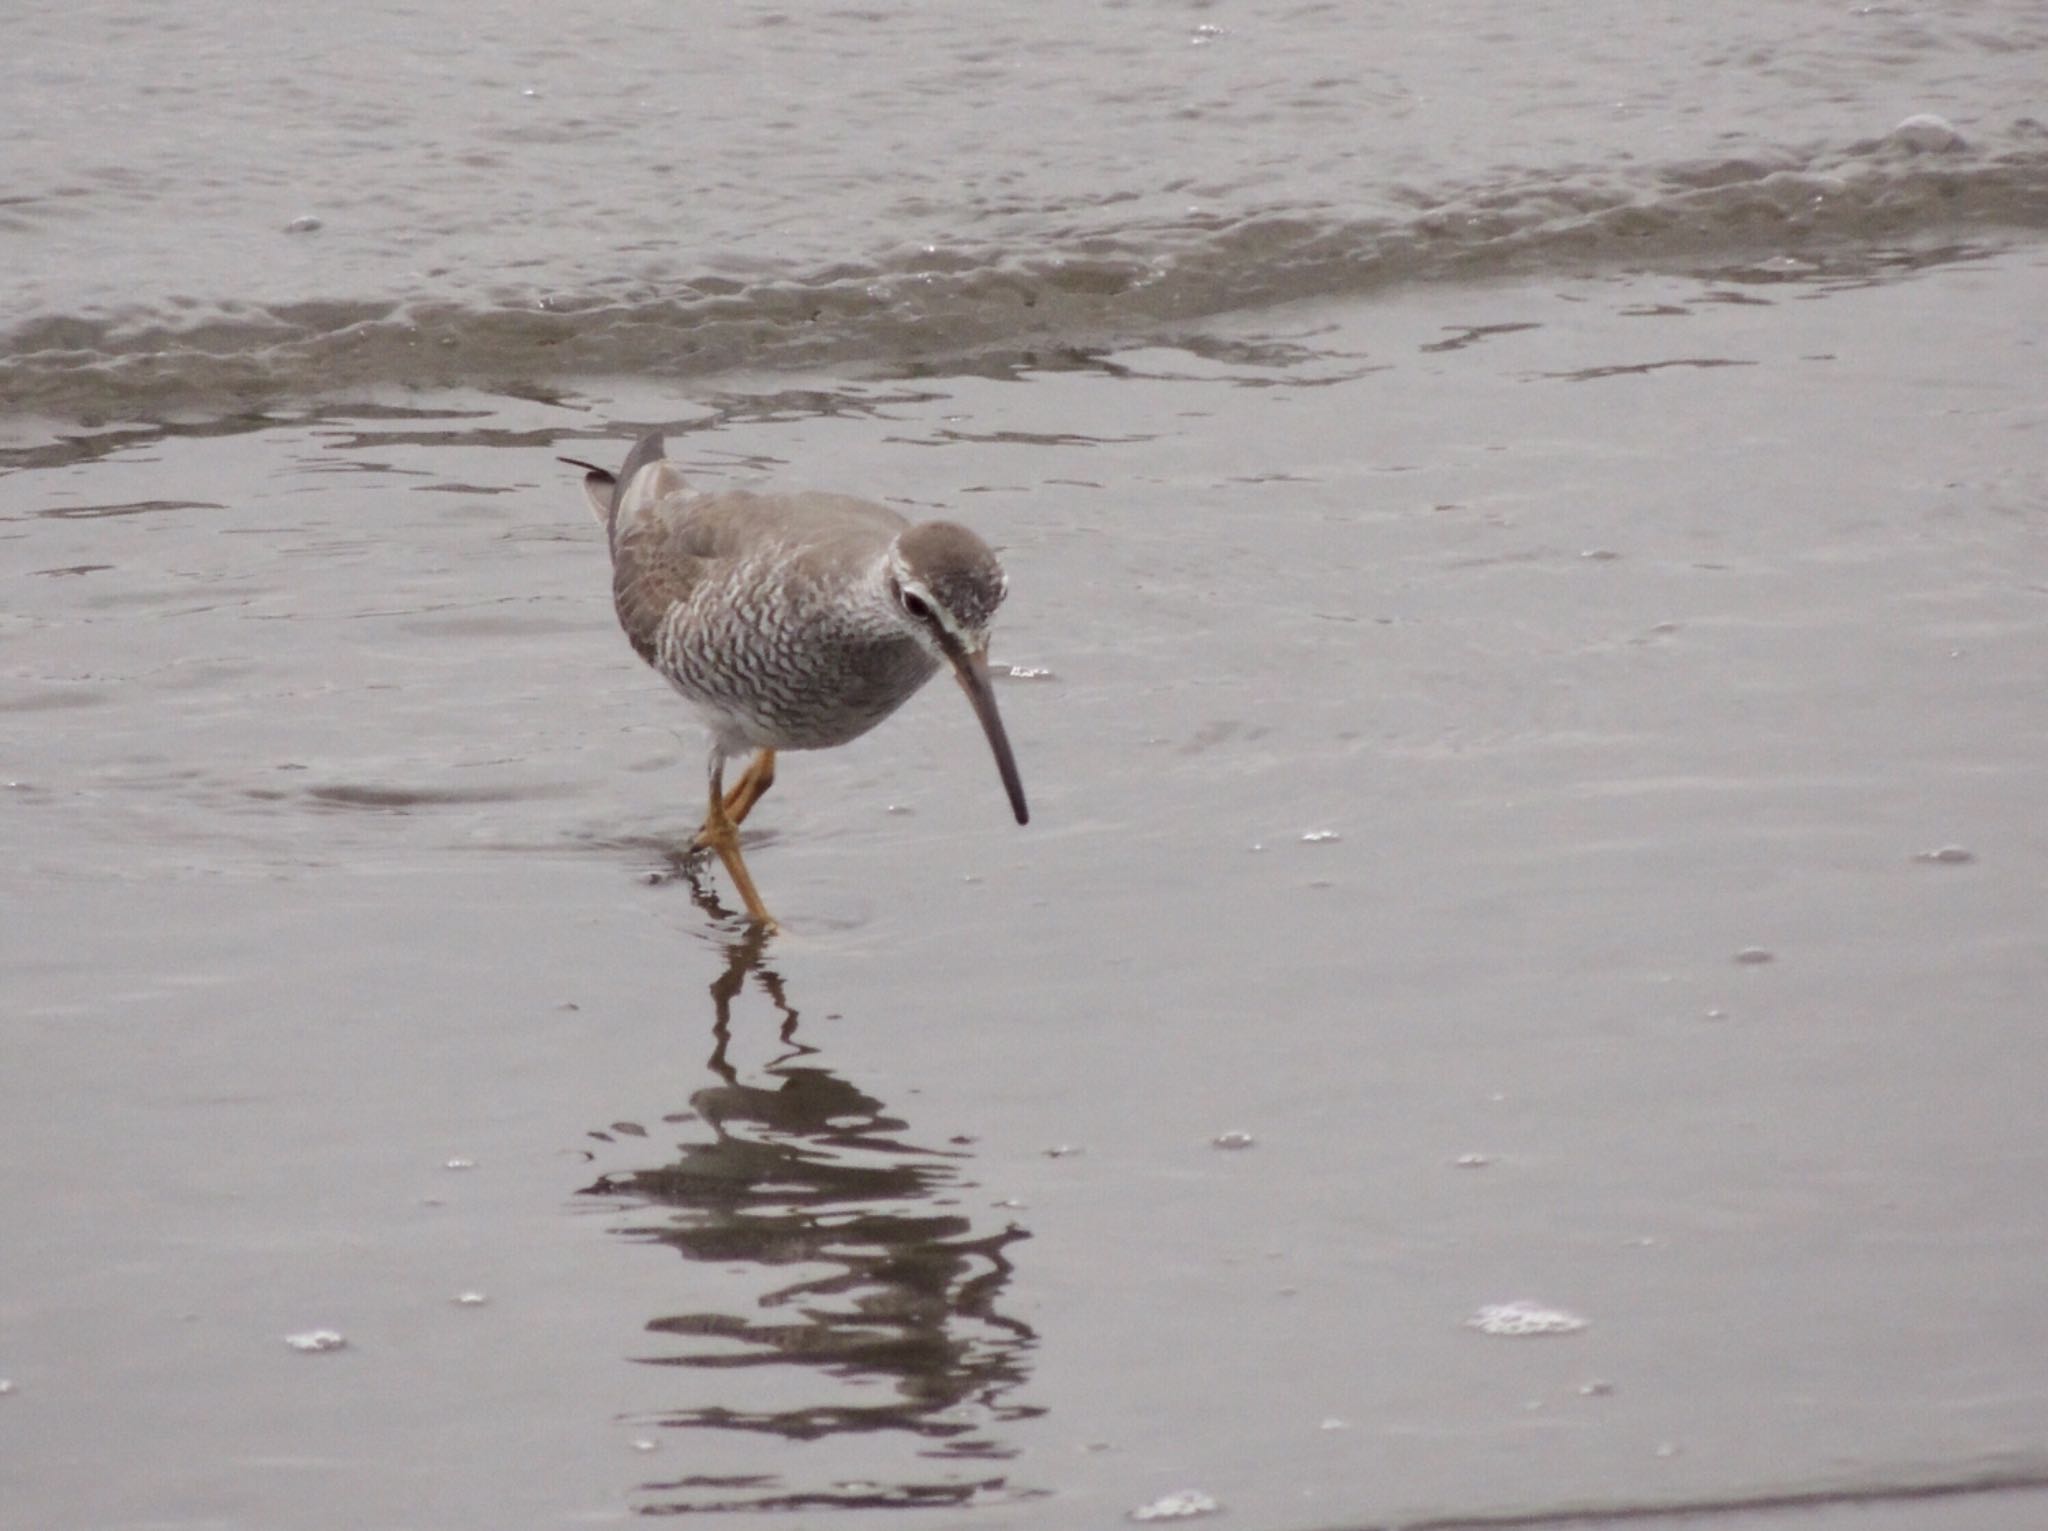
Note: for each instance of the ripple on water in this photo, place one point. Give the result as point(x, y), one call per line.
point(1926, 133)
point(381, 799)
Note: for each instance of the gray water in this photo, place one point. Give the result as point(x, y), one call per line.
point(244, 200)
point(1528, 610)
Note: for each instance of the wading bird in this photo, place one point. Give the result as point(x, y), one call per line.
point(792, 621)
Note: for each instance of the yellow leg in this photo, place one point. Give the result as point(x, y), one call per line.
point(752, 786)
point(721, 833)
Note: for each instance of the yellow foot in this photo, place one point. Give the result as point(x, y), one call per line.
point(723, 836)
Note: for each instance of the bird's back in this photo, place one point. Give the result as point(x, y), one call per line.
point(762, 609)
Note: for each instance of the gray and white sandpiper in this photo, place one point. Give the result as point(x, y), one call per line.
point(792, 621)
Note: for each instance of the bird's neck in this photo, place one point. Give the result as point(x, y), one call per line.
point(873, 612)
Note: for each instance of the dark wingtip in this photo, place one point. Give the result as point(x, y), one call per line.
point(600, 490)
point(649, 448)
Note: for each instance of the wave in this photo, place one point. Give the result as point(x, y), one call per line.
point(1835, 213)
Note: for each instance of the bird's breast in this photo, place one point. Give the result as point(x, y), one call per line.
point(790, 685)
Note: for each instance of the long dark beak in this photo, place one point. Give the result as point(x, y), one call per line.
point(971, 670)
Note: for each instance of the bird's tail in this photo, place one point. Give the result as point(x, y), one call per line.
point(604, 489)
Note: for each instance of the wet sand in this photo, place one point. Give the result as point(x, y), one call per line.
point(1493, 753)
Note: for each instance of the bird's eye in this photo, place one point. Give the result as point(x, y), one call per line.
point(917, 606)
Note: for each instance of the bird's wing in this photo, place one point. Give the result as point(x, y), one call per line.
point(740, 523)
point(665, 542)
point(653, 565)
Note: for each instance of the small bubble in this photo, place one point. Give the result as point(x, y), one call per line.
point(1011, 1204)
point(470, 1299)
point(1030, 672)
point(1182, 1505)
point(305, 224)
point(1946, 855)
point(1061, 1151)
point(1755, 956)
point(1471, 1161)
point(6, 1386)
point(1716, 1013)
point(1321, 837)
point(642, 1443)
point(1256, 846)
point(1334, 1423)
point(530, 93)
point(460, 1164)
point(1522, 1319)
point(902, 809)
point(316, 1341)
point(1599, 1387)
point(1668, 1448)
point(1233, 1140)
point(1599, 555)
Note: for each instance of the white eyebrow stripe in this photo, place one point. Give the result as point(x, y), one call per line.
point(937, 608)
point(911, 585)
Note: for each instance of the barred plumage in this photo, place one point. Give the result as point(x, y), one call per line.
point(792, 621)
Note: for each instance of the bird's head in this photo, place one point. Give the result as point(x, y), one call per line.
point(946, 584)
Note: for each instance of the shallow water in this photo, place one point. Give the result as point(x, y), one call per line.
point(1527, 623)
point(1494, 750)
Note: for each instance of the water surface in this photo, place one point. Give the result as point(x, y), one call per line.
point(1526, 627)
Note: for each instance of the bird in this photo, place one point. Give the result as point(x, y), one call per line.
point(792, 621)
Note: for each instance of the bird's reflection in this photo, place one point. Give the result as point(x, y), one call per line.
point(870, 1336)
